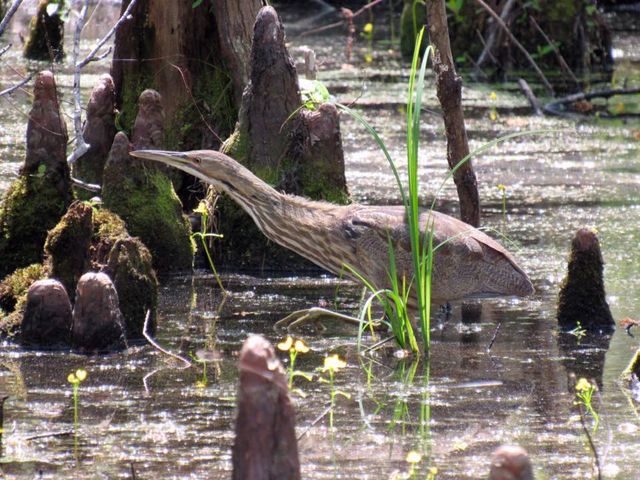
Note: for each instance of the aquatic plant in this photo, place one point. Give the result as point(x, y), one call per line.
point(584, 398)
point(414, 458)
point(493, 111)
point(503, 191)
point(203, 235)
point(294, 347)
point(332, 365)
point(579, 331)
point(75, 379)
point(367, 34)
point(395, 299)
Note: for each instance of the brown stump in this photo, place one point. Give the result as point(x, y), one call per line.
point(47, 317)
point(97, 321)
point(510, 462)
point(265, 447)
point(582, 298)
point(42, 192)
point(98, 131)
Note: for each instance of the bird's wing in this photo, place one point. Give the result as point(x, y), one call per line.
point(450, 235)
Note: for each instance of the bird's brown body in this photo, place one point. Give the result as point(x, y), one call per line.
point(468, 263)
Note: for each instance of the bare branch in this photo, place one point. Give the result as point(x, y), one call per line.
point(12, 9)
point(517, 44)
point(10, 90)
point(90, 187)
point(341, 22)
point(493, 36)
point(81, 145)
point(561, 60)
point(4, 49)
point(121, 20)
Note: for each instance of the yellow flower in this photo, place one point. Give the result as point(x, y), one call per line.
point(493, 96)
point(72, 378)
point(368, 28)
point(286, 344)
point(300, 347)
point(368, 58)
point(413, 457)
point(81, 374)
point(583, 385)
point(502, 187)
point(333, 363)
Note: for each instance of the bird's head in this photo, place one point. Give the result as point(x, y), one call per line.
point(208, 165)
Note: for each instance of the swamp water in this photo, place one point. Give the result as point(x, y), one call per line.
point(138, 407)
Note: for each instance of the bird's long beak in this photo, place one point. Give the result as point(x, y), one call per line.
point(174, 159)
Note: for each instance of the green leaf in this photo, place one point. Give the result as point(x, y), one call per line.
point(196, 3)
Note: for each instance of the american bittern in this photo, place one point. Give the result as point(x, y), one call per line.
point(470, 263)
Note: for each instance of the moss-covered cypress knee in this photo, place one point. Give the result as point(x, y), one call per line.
point(42, 192)
point(67, 246)
point(582, 297)
point(144, 198)
point(129, 265)
point(13, 296)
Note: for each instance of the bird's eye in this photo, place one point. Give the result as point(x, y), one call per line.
point(197, 160)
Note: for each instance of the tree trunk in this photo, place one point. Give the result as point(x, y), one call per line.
point(449, 89)
point(196, 58)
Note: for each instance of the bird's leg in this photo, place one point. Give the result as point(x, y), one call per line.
point(299, 318)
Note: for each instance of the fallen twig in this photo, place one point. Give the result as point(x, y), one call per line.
point(553, 107)
point(495, 335)
point(62, 433)
point(154, 344)
point(533, 100)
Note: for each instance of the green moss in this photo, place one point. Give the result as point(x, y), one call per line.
point(13, 296)
point(130, 267)
point(237, 146)
point(32, 206)
point(211, 106)
point(133, 86)
point(67, 246)
point(107, 224)
point(152, 211)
